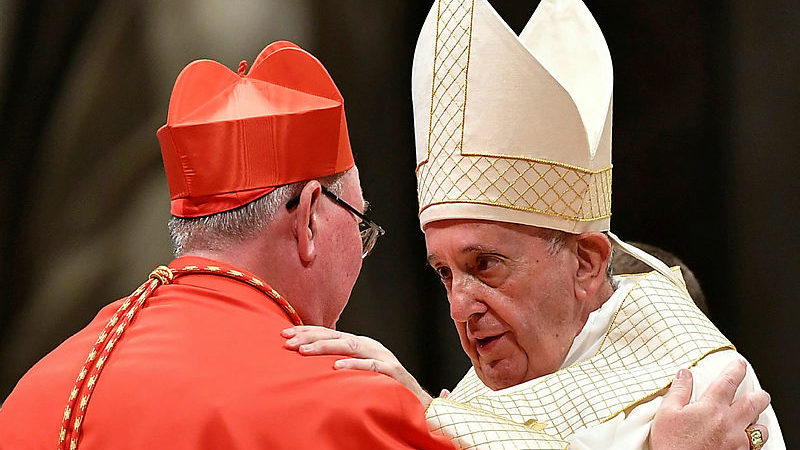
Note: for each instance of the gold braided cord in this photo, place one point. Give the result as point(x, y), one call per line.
point(90, 372)
point(87, 379)
point(163, 274)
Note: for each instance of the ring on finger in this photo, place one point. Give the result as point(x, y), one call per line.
point(755, 438)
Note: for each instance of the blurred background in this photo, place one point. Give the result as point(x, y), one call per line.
point(706, 135)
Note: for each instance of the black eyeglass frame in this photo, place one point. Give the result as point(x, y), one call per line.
point(368, 229)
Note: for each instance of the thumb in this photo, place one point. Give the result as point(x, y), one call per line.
point(680, 392)
point(444, 393)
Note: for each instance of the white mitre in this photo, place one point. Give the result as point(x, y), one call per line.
point(513, 128)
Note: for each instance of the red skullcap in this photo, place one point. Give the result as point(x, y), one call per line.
point(232, 138)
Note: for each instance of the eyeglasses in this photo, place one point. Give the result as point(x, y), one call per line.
point(369, 230)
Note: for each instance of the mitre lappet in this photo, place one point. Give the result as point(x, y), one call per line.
point(515, 128)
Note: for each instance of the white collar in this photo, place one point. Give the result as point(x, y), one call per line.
point(588, 341)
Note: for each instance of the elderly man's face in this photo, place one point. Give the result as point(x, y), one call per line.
point(511, 298)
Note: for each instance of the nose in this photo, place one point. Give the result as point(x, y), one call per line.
point(464, 299)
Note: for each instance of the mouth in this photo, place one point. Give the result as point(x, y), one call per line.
point(485, 344)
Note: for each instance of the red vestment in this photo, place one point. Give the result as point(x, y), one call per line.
point(203, 366)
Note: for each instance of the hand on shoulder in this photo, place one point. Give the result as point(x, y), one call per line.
point(715, 421)
point(363, 353)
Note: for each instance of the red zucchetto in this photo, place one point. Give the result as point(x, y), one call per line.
point(231, 138)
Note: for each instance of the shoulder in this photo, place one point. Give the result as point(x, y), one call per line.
point(327, 408)
point(372, 407)
point(363, 388)
point(710, 367)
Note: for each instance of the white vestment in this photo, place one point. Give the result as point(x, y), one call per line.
point(594, 401)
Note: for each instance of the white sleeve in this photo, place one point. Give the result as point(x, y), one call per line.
point(631, 432)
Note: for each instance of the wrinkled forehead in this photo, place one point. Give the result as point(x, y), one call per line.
point(484, 226)
point(468, 235)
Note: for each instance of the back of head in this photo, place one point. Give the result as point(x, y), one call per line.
point(235, 144)
point(223, 230)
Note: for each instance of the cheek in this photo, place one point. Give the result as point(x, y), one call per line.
point(345, 256)
point(355, 259)
point(350, 263)
point(348, 244)
point(355, 242)
point(545, 340)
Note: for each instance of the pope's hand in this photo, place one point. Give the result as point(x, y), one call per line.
point(715, 421)
point(364, 354)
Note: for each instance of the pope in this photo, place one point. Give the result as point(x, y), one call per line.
point(513, 150)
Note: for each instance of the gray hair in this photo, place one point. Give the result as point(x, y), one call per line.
point(219, 231)
point(556, 240)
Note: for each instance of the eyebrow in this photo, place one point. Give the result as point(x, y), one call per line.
point(476, 249)
point(468, 249)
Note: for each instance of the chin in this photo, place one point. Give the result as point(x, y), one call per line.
point(495, 378)
point(498, 384)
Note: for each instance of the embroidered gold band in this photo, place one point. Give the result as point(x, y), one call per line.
point(521, 184)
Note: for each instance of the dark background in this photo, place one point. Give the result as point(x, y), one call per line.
point(705, 140)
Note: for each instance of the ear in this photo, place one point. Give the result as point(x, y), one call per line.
point(593, 251)
point(306, 221)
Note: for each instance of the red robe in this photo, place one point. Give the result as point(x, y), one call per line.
point(203, 366)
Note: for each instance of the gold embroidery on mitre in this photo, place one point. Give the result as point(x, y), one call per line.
point(449, 175)
point(656, 331)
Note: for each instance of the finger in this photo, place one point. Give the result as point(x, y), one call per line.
point(289, 332)
point(313, 334)
point(680, 392)
point(724, 387)
point(293, 331)
point(314, 329)
point(444, 394)
point(371, 365)
point(754, 436)
point(337, 346)
point(750, 406)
